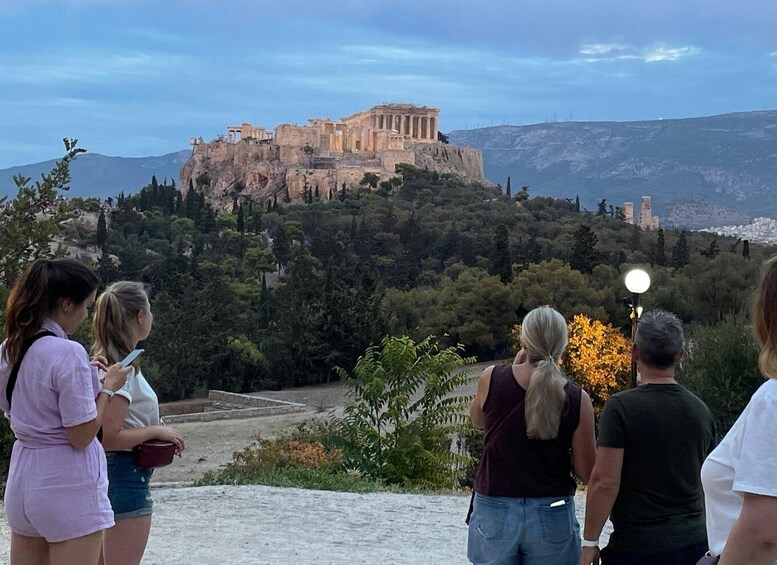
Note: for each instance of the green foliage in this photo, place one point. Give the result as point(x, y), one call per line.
point(721, 367)
point(403, 412)
point(24, 236)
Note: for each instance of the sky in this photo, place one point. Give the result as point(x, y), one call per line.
point(137, 78)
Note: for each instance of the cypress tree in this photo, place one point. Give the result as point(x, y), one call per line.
point(102, 229)
point(508, 190)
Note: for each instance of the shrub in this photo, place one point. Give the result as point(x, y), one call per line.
point(721, 367)
point(404, 411)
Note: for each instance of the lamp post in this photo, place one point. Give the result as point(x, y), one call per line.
point(637, 283)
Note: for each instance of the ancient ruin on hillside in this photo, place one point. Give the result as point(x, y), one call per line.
point(647, 221)
point(252, 162)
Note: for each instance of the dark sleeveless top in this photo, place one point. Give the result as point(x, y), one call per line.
point(514, 465)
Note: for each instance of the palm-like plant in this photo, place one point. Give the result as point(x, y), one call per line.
point(404, 411)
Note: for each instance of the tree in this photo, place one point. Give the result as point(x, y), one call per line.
point(441, 137)
point(342, 193)
point(722, 368)
point(746, 249)
point(508, 190)
point(584, 254)
point(370, 179)
point(577, 203)
point(102, 229)
point(404, 411)
point(523, 194)
point(601, 210)
point(502, 264)
point(281, 246)
point(680, 254)
point(30, 221)
point(557, 284)
point(598, 358)
point(713, 250)
point(241, 222)
point(659, 252)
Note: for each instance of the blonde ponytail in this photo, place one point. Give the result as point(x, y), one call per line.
point(114, 312)
point(544, 335)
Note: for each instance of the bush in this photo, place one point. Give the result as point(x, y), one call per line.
point(299, 458)
point(404, 412)
point(721, 367)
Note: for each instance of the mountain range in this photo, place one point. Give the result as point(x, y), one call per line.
point(698, 171)
point(93, 174)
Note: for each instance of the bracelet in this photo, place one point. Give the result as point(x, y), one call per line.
point(589, 543)
point(107, 391)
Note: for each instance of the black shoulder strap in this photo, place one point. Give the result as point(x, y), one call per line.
point(15, 371)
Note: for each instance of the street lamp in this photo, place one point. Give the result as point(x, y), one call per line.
point(637, 283)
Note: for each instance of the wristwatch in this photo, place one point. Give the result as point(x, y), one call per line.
point(107, 391)
point(589, 543)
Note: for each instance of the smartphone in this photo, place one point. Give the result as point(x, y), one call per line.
point(131, 357)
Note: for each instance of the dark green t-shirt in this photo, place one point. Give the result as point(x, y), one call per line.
point(666, 433)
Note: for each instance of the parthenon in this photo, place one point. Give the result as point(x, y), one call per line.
point(382, 127)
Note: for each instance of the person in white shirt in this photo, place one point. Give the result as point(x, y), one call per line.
point(123, 318)
point(740, 475)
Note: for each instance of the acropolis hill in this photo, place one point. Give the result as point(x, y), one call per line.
point(252, 162)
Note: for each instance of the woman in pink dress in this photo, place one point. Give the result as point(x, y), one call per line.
point(56, 497)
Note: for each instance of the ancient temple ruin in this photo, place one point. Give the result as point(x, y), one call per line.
point(647, 221)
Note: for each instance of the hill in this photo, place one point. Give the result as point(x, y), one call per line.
point(699, 171)
point(93, 174)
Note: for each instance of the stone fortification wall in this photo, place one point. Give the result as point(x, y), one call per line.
point(444, 158)
point(299, 136)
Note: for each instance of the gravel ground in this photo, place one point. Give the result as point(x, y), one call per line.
point(242, 525)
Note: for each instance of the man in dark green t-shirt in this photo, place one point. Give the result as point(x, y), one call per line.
point(652, 442)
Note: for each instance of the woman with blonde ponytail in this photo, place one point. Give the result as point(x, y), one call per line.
point(122, 319)
point(539, 431)
point(740, 475)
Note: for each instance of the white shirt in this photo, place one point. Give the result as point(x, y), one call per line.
point(745, 461)
point(143, 409)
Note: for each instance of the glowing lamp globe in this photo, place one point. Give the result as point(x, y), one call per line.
point(637, 281)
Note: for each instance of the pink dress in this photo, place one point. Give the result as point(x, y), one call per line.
point(54, 490)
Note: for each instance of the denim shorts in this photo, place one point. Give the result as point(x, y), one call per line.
point(523, 531)
point(128, 486)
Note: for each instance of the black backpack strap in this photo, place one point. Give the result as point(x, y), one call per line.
point(15, 371)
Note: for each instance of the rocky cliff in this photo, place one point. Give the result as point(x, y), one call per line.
point(259, 172)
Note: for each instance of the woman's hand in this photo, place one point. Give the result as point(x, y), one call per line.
point(116, 376)
point(101, 362)
point(166, 433)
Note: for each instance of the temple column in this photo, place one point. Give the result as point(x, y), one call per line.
point(425, 128)
point(433, 128)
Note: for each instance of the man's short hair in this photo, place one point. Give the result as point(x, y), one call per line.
point(659, 339)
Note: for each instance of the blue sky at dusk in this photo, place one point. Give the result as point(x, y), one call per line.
point(137, 78)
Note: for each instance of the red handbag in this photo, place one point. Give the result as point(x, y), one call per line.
point(153, 453)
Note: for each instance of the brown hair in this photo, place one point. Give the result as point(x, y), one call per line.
point(765, 319)
point(114, 311)
point(36, 293)
point(544, 335)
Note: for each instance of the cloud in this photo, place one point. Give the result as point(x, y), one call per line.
point(88, 67)
point(602, 48)
point(669, 54)
point(598, 52)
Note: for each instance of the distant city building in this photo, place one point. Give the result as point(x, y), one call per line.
point(762, 230)
point(647, 221)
